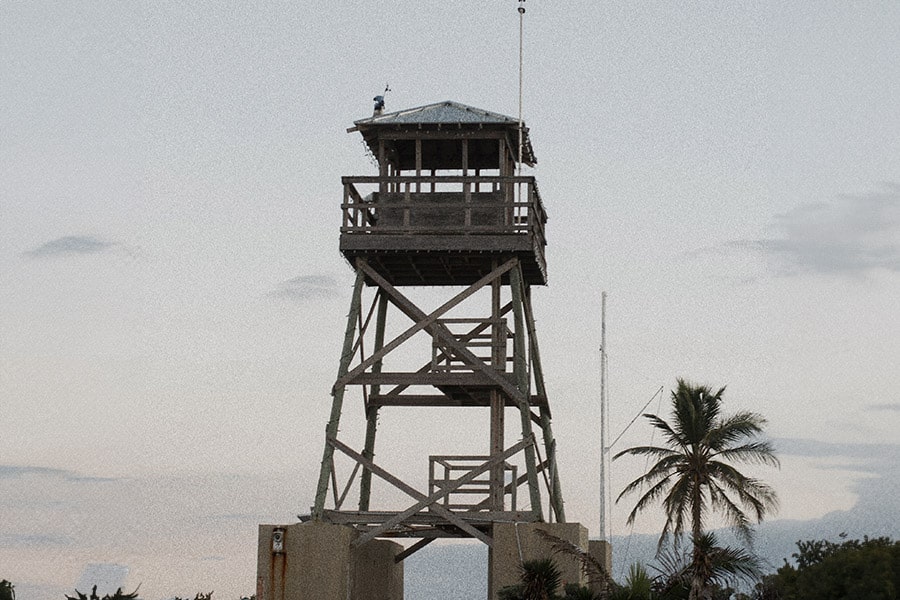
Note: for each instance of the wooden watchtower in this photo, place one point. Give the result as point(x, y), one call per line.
point(446, 209)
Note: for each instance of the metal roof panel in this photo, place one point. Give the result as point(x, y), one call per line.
point(439, 112)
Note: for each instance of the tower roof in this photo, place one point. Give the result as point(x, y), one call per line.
point(446, 113)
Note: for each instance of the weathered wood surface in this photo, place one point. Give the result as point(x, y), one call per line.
point(443, 400)
point(424, 500)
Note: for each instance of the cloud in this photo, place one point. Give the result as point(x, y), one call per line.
point(19, 471)
point(306, 287)
point(851, 235)
point(33, 540)
point(895, 407)
point(70, 245)
point(874, 455)
point(250, 517)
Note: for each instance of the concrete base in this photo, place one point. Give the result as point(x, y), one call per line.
point(601, 551)
point(315, 561)
point(513, 540)
point(375, 575)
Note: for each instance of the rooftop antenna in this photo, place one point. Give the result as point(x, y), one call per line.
point(379, 101)
point(521, 62)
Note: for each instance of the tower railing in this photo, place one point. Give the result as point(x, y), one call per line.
point(443, 204)
point(444, 470)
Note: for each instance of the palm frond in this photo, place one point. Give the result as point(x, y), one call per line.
point(729, 564)
point(735, 430)
point(648, 497)
point(592, 568)
point(734, 516)
point(760, 452)
point(661, 471)
point(646, 451)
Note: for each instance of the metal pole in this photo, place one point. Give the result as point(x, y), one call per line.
point(521, 64)
point(604, 450)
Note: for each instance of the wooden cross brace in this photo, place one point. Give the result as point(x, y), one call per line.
point(428, 322)
point(428, 501)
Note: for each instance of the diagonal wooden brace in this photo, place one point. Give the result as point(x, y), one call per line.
point(441, 333)
point(398, 483)
point(399, 389)
point(428, 501)
point(422, 320)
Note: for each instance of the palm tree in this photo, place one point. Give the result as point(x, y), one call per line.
point(694, 476)
point(540, 578)
point(639, 585)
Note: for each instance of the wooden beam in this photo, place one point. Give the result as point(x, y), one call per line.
point(428, 322)
point(422, 320)
point(517, 292)
point(471, 333)
point(514, 484)
point(556, 497)
point(438, 400)
point(365, 481)
point(425, 501)
point(331, 429)
point(413, 549)
point(475, 378)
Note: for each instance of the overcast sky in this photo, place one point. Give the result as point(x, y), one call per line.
point(172, 300)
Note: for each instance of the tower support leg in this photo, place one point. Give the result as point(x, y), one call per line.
point(331, 430)
point(556, 497)
point(365, 482)
point(520, 366)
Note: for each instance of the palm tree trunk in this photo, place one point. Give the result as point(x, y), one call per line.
point(698, 579)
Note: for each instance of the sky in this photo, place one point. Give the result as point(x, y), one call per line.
point(172, 298)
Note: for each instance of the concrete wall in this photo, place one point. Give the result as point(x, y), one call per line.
point(504, 561)
point(601, 551)
point(375, 575)
point(317, 562)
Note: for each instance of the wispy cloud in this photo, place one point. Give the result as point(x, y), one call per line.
point(892, 407)
point(306, 287)
point(847, 236)
point(874, 454)
point(33, 540)
point(71, 245)
point(19, 471)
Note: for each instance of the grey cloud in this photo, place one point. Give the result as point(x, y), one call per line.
point(71, 245)
point(895, 407)
point(849, 236)
point(18, 471)
point(250, 518)
point(878, 493)
point(873, 458)
point(306, 287)
point(33, 540)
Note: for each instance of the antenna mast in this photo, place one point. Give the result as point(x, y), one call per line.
point(521, 63)
point(604, 424)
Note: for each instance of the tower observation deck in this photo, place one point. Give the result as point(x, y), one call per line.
point(446, 201)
